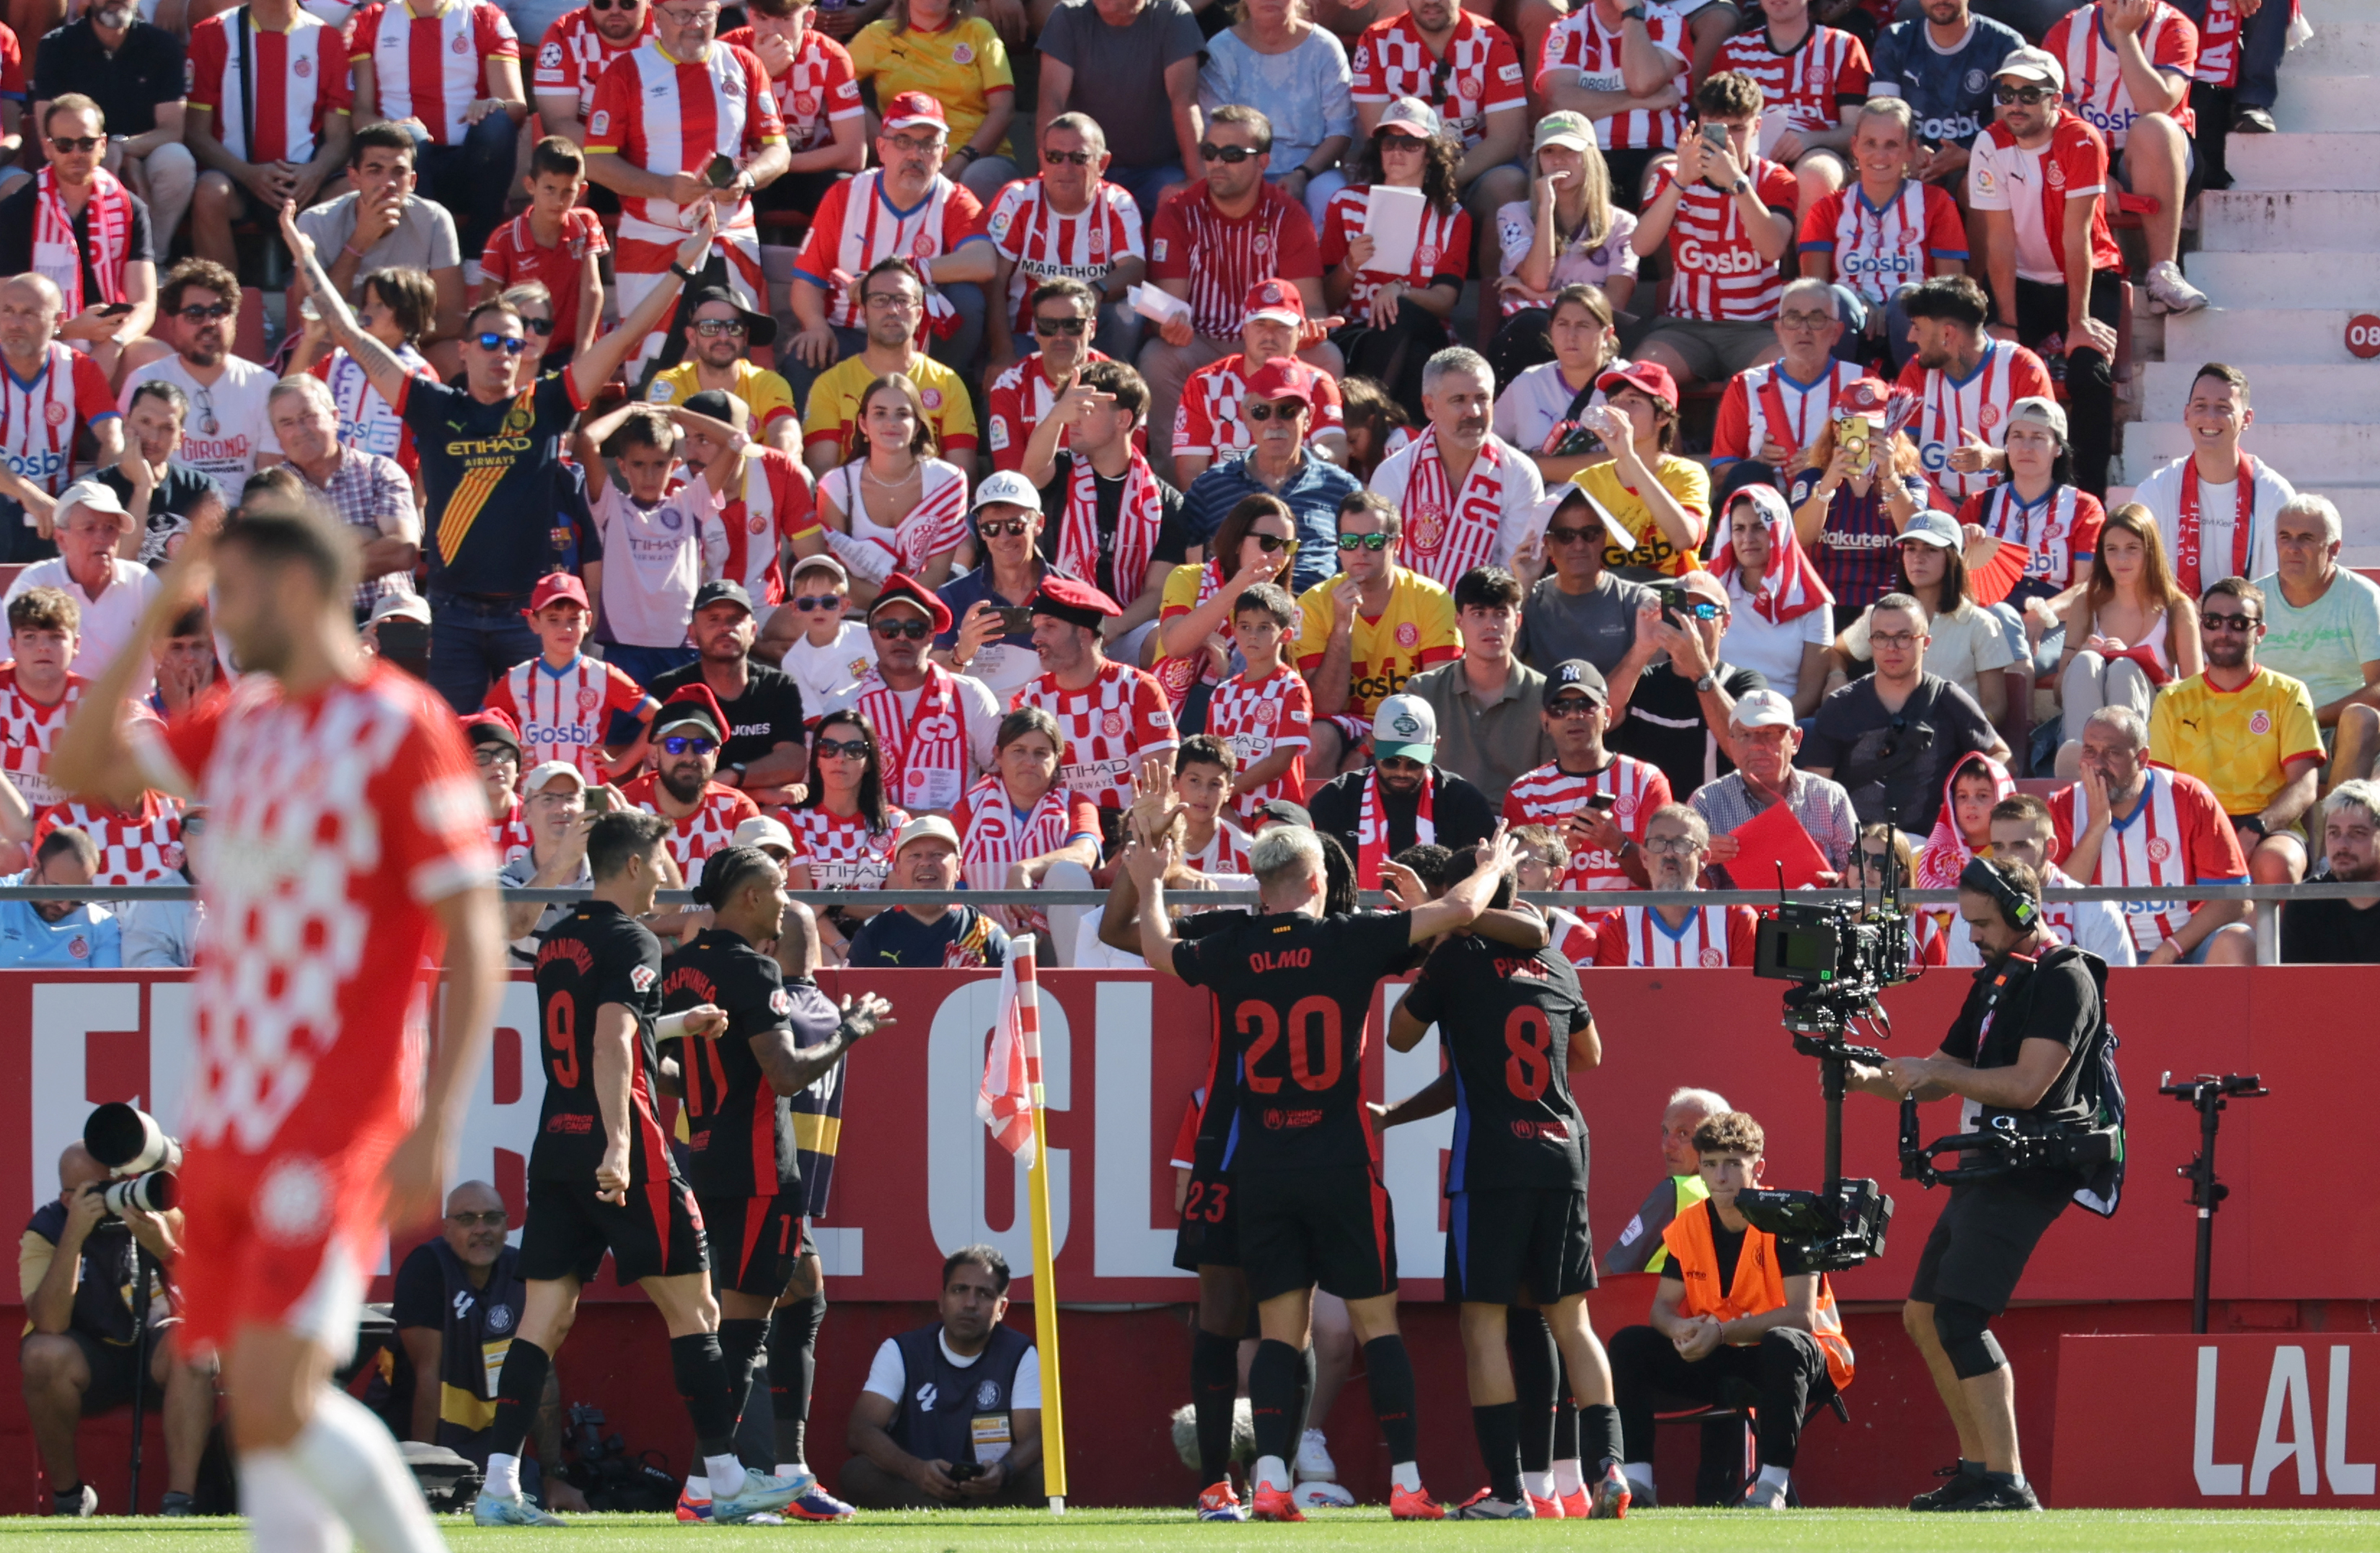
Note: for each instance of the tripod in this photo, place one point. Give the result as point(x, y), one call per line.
point(2210, 1095)
point(141, 1285)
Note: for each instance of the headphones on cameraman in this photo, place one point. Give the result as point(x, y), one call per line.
point(2017, 909)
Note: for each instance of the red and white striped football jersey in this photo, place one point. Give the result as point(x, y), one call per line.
point(1110, 726)
point(840, 851)
point(1479, 75)
point(2177, 834)
point(1766, 402)
point(1018, 398)
point(2218, 45)
point(430, 67)
point(1257, 719)
point(2059, 532)
point(562, 713)
point(773, 504)
point(1549, 795)
point(1045, 244)
point(367, 423)
point(858, 226)
point(1948, 408)
point(992, 836)
point(1718, 273)
point(510, 835)
point(1226, 850)
point(27, 730)
point(2094, 75)
point(2033, 185)
point(1800, 88)
point(1879, 249)
point(1710, 939)
point(817, 92)
point(1209, 420)
point(1441, 252)
point(573, 56)
point(937, 525)
point(715, 107)
point(1573, 939)
point(711, 827)
point(1224, 259)
point(136, 846)
point(299, 78)
point(40, 419)
point(1579, 48)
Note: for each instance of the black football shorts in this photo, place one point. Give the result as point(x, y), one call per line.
point(656, 1234)
point(1505, 1243)
point(1333, 1228)
point(753, 1242)
point(1985, 1235)
point(1210, 1236)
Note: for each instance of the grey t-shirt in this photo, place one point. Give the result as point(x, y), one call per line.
point(1598, 626)
point(517, 875)
point(1120, 74)
point(424, 239)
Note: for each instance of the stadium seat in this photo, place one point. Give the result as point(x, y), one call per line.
point(1747, 1419)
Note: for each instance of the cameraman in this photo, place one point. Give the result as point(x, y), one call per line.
point(2025, 1045)
point(77, 1264)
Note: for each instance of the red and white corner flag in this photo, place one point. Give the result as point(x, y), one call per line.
point(1005, 1098)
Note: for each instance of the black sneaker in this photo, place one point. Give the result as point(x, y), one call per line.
point(1966, 1478)
point(2253, 121)
point(177, 1504)
point(1998, 1492)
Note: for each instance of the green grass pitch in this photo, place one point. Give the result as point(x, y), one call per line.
point(1358, 1531)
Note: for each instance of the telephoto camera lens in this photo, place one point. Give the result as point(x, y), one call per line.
point(150, 1191)
point(127, 1140)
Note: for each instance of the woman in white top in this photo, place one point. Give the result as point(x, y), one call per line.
point(894, 507)
point(1274, 59)
point(1964, 642)
point(1567, 233)
point(2128, 631)
point(1780, 617)
point(1535, 412)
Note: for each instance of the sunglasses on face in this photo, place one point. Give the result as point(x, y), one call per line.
point(894, 630)
point(2225, 621)
point(1574, 536)
point(1401, 764)
point(819, 602)
point(1288, 409)
point(491, 1219)
point(1049, 327)
point(1373, 542)
point(1401, 144)
point(1233, 155)
point(689, 744)
point(2028, 95)
point(78, 142)
point(1070, 157)
point(203, 312)
point(613, 4)
point(845, 749)
point(711, 328)
point(1273, 544)
point(1703, 609)
point(889, 299)
point(1571, 705)
point(1001, 528)
point(511, 345)
point(540, 327)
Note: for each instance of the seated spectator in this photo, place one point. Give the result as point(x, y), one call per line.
point(2215, 505)
point(1673, 696)
point(366, 492)
point(1780, 615)
point(36, 457)
point(1543, 410)
point(1766, 737)
point(1892, 736)
point(1204, 789)
point(934, 729)
point(575, 50)
point(1113, 714)
point(1061, 314)
point(1365, 632)
point(562, 702)
point(1375, 812)
point(465, 122)
point(1469, 498)
point(2129, 823)
point(1727, 216)
point(74, 223)
point(1274, 59)
point(1021, 829)
point(60, 935)
point(1887, 858)
point(1222, 237)
point(141, 845)
point(941, 51)
point(1640, 1247)
point(767, 494)
point(946, 937)
point(1962, 832)
point(1376, 426)
point(903, 1447)
point(1942, 63)
point(1676, 842)
point(459, 1296)
point(2322, 628)
point(817, 94)
point(763, 755)
point(1890, 233)
point(399, 308)
point(2340, 932)
point(1491, 727)
point(991, 637)
point(554, 811)
point(1625, 75)
point(1282, 400)
point(1657, 499)
point(1772, 415)
point(1132, 67)
point(1965, 643)
point(187, 668)
point(1735, 1309)
point(1583, 610)
point(810, 636)
point(1397, 320)
point(38, 688)
point(1265, 712)
point(2024, 832)
point(669, 537)
point(1200, 609)
point(2039, 507)
point(2129, 68)
point(1068, 224)
point(1813, 80)
point(1854, 496)
point(2247, 731)
point(1595, 802)
point(895, 299)
point(495, 744)
point(2129, 631)
point(109, 592)
point(136, 72)
point(721, 334)
point(1211, 425)
point(381, 223)
point(1108, 520)
point(842, 829)
point(229, 434)
point(151, 479)
point(1539, 868)
point(909, 516)
point(1567, 234)
point(164, 935)
point(253, 163)
point(85, 1344)
point(703, 814)
point(557, 242)
point(1967, 381)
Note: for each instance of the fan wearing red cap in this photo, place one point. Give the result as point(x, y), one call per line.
point(562, 702)
point(1659, 501)
point(1112, 714)
point(940, 56)
point(1207, 429)
point(687, 733)
point(936, 731)
point(1397, 317)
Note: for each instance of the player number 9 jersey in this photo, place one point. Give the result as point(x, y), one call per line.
point(598, 955)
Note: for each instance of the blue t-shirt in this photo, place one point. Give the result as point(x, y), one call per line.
point(1313, 493)
point(87, 937)
point(490, 470)
point(1950, 93)
point(961, 939)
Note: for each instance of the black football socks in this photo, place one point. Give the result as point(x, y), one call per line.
point(1499, 1428)
point(1214, 1394)
point(1275, 1378)
point(793, 1371)
point(1390, 1372)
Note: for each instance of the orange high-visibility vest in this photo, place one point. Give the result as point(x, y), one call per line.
point(1759, 1283)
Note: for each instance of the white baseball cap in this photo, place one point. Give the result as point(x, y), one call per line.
point(542, 774)
point(1009, 486)
point(96, 495)
point(1762, 709)
point(401, 606)
point(1406, 726)
point(924, 827)
point(763, 832)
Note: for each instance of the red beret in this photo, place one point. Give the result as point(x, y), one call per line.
point(903, 588)
point(1074, 601)
point(689, 701)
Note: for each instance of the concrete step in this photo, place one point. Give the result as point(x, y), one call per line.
point(2313, 456)
point(2289, 280)
point(2297, 221)
point(2255, 338)
point(2323, 12)
point(2289, 161)
point(2323, 104)
point(2296, 394)
point(2338, 48)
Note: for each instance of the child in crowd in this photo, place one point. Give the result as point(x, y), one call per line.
point(1202, 785)
point(557, 242)
point(562, 699)
point(662, 538)
point(827, 654)
point(1265, 712)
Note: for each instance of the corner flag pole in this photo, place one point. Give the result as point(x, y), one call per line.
point(1045, 1278)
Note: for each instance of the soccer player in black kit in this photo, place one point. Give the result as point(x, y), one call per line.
point(741, 1159)
point(600, 1176)
point(1294, 989)
point(1517, 1183)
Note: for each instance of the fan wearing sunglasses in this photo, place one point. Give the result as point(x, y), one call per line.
point(229, 434)
point(1069, 223)
point(687, 733)
point(843, 827)
point(1397, 318)
point(382, 221)
point(397, 307)
point(81, 226)
point(720, 337)
point(934, 729)
point(1367, 631)
point(1063, 315)
point(993, 641)
point(1195, 635)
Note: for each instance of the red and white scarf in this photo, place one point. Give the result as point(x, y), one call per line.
point(1138, 516)
point(1946, 853)
point(1372, 829)
point(993, 837)
point(1449, 532)
point(2186, 543)
point(1790, 586)
point(58, 252)
point(924, 755)
point(1176, 675)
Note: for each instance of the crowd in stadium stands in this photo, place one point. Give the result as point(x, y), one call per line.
point(790, 418)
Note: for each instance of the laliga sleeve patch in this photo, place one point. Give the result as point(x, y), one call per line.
point(641, 978)
point(601, 123)
point(781, 1002)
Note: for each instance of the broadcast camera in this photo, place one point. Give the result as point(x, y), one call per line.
point(140, 1157)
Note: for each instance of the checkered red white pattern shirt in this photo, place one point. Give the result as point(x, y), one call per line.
point(563, 714)
point(136, 846)
point(299, 78)
point(1548, 794)
point(711, 827)
point(1223, 258)
point(572, 56)
point(1209, 420)
point(1580, 50)
point(817, 92)
point(1799, 89)
point(2094, 75)
point(1259, 718)
point(27, 730)
point(1479, 75)
point(1717, 273)
point(1109, 725)
point(432, 68)
point(840, 852)
point(1045, 244)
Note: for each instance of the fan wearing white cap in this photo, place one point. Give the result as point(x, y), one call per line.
point(990, 637)
point(109, 590)
point(553, 807)
point(1965, 643)
point(2038, 506)
point(1766, 737)
point(942, 935)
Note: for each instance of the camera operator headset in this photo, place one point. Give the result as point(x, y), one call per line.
point(2025, 1053)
